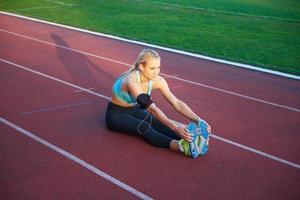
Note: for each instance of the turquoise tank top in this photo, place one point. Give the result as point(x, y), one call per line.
point(124, 96)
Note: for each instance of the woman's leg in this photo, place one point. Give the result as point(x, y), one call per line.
point(155, 123)
point(174, 145)
point(128, 124)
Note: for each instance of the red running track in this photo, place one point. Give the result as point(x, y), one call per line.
point(74, 121)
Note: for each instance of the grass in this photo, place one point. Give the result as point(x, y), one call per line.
point(256, 32)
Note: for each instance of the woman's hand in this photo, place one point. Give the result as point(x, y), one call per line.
point(208, 128)
point(184, 133)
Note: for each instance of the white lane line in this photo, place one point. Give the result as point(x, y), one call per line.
point(256, 151)
point(235, 94)
point(107, 98)
point(173, 77)
point(82, 91)
point(57, 107)
point(67, 48)
point(157, 47)
point(55, 79)
point(77, 160)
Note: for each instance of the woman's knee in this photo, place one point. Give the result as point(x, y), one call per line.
point(157, 139)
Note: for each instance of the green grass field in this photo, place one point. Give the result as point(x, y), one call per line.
point(256, 32)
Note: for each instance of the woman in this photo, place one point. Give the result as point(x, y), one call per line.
point(131, 109)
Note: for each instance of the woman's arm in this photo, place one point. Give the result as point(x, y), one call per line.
point(179, 129)
point(135, 90)
point(178, 105)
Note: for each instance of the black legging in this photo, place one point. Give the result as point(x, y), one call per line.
point(128, 120)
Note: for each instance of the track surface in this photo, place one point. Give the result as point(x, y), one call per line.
point(74, 121)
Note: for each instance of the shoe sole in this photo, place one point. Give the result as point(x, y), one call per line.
point(194, 149)
point(205, 135)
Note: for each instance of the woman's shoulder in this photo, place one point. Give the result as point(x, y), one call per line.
point(130, 77)
point(130, 80)
point(159, 82)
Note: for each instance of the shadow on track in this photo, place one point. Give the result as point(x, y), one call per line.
point(81, 69)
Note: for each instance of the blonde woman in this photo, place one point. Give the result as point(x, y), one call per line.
point(131, 109)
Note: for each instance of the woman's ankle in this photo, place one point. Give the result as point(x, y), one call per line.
point(174, 145)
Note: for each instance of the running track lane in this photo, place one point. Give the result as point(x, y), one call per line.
point(67, 54)
point(32, 171)
point(232, 172)
point(255, 119)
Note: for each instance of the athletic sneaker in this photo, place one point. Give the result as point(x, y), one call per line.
point(191, 148)
point(204, 135)
point(194, 148)
point(184, 147)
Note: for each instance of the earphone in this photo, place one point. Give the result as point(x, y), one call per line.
point(138, 127)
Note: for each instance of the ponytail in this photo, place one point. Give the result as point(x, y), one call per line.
point(141, 59)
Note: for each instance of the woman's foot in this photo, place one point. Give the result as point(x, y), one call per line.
point(204, 132)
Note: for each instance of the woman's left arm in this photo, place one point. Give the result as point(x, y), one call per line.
point(178, 105)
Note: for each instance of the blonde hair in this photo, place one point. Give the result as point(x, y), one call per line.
point(142, 58)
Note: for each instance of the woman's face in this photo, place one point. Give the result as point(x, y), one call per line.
point(151, 69)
